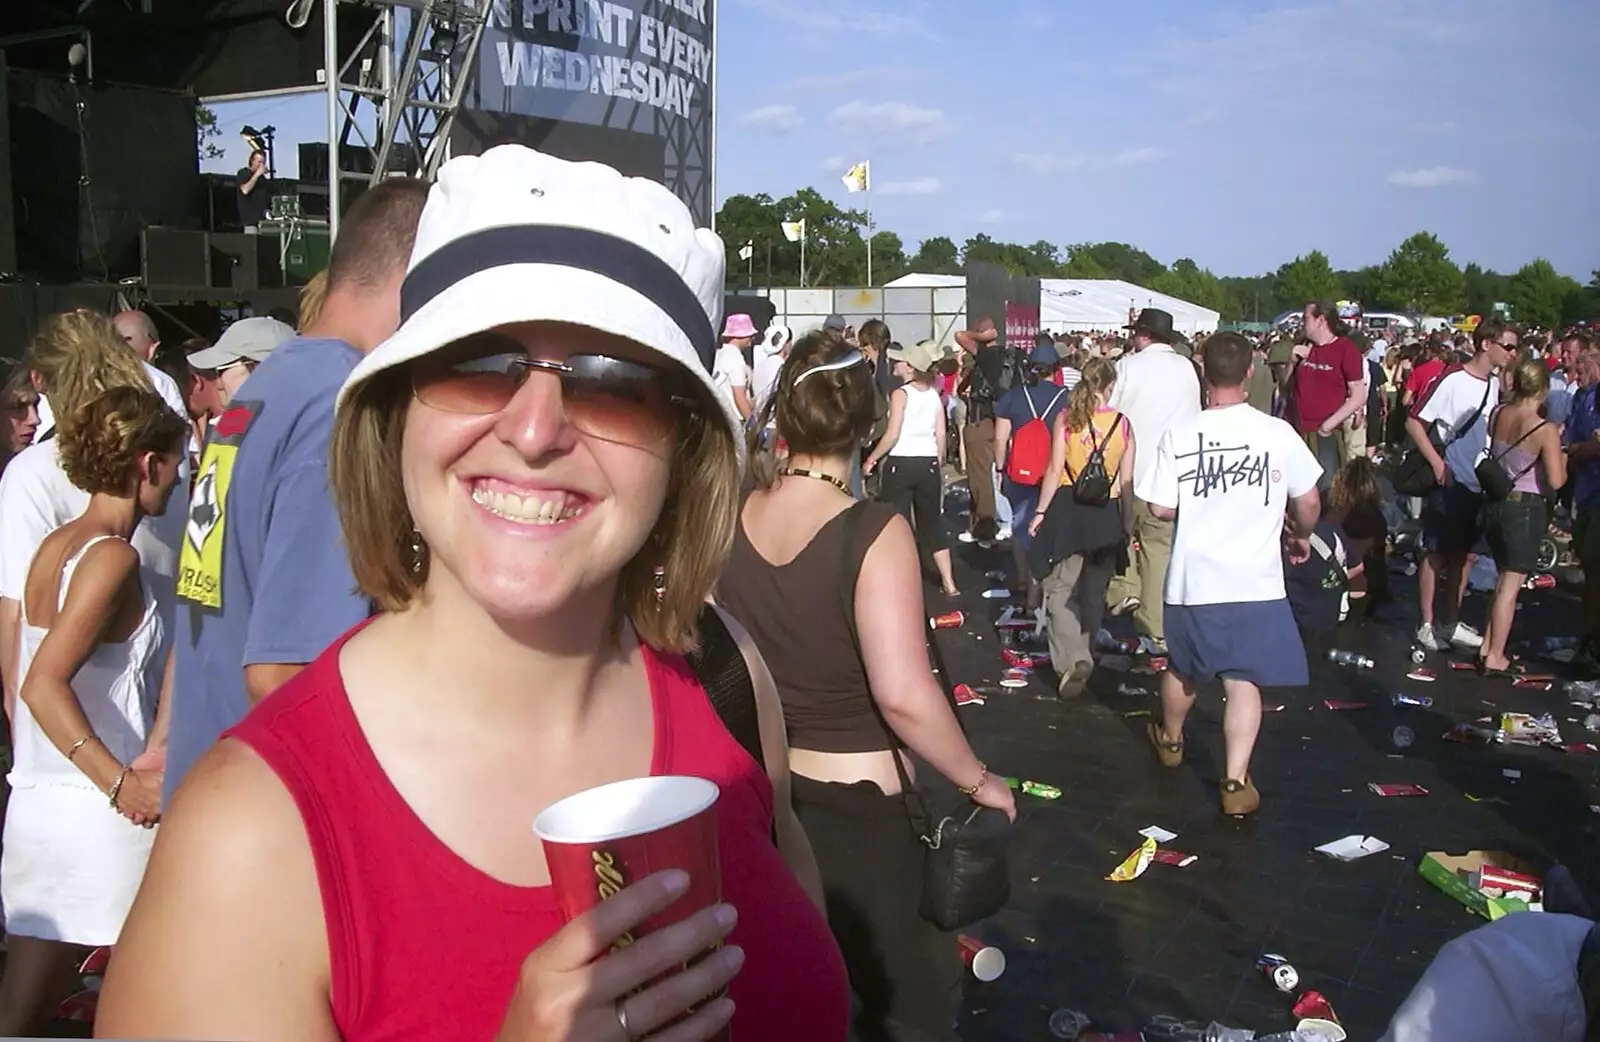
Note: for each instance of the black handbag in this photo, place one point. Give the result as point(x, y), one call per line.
point(965, 877)
point(1496, 481)
point(1413, 475)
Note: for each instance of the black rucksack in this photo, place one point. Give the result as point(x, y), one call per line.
point(1092, 485)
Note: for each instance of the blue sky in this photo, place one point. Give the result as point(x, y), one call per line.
point(1237, 133)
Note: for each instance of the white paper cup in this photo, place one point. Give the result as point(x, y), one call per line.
point(1323, 1029)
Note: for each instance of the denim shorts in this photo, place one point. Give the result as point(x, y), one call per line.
point(1514, 529)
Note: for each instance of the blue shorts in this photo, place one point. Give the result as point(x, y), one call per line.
point(1256, 641)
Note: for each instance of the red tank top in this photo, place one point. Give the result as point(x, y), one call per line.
point(424, 946)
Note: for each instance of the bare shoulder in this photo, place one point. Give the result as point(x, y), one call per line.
point(226, 938)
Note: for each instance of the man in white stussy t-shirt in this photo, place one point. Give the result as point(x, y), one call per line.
point(1228, 476)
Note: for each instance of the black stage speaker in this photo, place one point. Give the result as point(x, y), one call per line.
point(77, 220)
point(245, 262)
point(175, 257)
point(8, 224)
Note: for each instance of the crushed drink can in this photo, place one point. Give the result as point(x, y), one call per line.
point(1419, 654)
point(1403, 737)
point(950, 620)
point(966, 696)
point(1405, 701)
point(1540, 582)
point(1041, 790)
point(1276, 969)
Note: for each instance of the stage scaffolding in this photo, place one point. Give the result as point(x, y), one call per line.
point(410, 85)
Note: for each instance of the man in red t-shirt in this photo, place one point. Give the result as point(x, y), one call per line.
point(1426, 371)
point(1330, 385)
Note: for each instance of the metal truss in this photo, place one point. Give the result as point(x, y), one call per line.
point(411, 87)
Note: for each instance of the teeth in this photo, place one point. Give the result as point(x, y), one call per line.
point(526, 510)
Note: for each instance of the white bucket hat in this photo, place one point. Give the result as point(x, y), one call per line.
point(515, 235)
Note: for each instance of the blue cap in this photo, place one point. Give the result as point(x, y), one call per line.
point(1044, 353)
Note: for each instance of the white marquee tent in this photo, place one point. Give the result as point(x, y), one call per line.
point(1089, 305)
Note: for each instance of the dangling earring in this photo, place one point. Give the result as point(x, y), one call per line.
point(419, 552)
point(660, 584)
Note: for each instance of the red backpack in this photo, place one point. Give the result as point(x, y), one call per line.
point(1030, 446)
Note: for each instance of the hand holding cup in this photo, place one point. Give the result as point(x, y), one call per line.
point(571, 990)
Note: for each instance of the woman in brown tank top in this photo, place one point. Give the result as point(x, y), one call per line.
point(796, 551)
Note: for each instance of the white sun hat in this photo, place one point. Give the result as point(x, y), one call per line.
point(515, 235)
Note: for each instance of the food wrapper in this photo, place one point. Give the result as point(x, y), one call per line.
point(1523, 729)
point(1134, 865)
point(1174, 857)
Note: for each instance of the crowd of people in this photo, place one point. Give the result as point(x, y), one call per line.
point(301, 629)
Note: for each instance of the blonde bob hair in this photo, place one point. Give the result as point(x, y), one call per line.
point(689, 543)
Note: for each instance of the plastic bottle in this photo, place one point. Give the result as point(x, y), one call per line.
point(1219, 1033)
point(1067, 1023)
point(1349, 658)
point(1582, 690)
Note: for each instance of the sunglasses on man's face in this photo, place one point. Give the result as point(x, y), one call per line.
point(614, 399)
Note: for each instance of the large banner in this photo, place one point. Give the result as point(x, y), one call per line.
point(627, 82)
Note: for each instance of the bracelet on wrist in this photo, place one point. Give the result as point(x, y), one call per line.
point(116, 787)
point(72, 750)
point(983, 776)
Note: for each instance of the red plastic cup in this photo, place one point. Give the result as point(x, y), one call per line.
point(985, 962)
point(601, 840)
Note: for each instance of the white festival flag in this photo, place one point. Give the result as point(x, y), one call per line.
point(858, 178)
point(747, 251)
point(794, 231)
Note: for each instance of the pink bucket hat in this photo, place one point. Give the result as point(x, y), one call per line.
point(738, 327)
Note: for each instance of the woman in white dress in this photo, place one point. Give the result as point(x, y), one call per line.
point(84, 789)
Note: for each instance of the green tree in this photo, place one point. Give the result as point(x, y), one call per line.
point(888, 257)
point(1541, 296)
point(1186, 280)
point(836, 252)
point(1365, 286)
point(1081, 264)
point(758, 219)
point(1420, 276)
point(1120, 261)
point(1043, 260)
point(1307, 278)
point(937, 256)
point(206, 132)
point(1481, 288)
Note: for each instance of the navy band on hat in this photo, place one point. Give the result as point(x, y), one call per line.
point(585, 249)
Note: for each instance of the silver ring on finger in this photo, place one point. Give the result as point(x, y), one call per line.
point(622, 1021)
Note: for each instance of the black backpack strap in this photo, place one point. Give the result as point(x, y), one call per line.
point(723, 672)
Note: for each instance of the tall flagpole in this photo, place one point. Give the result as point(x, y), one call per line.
point(805, 233)
point(869, 231)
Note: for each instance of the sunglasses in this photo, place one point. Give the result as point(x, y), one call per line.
point(850, 358)
point(613, 399)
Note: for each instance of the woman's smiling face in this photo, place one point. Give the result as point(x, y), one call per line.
point(548, 497)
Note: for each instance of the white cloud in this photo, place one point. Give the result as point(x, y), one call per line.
point(835, 19)
point(891, 120)
point(991, 216)
point(916, 186)
point(1434, 126)
point(836, 164)
point(1203, 118)
point(852, 79)
point(1045, 163)
point(773, 119)
point(1432, 177)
